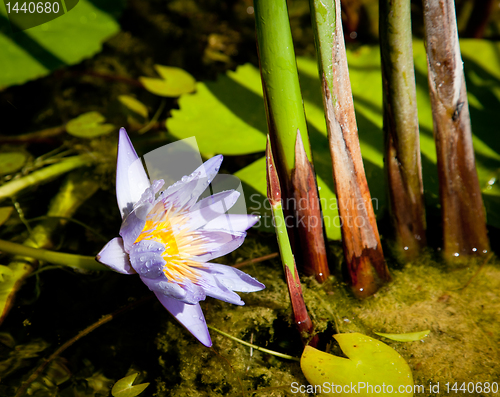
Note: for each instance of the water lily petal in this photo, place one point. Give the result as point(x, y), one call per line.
point(134, 222)
point(215, 250)
point(131, 178)
point(186, 191)
point(146, 258)
point(210, 207)
point(190, 316)
point(233, 278)
point(114, 256)
point(214, 288)
point(162, 286)
point(232, 223)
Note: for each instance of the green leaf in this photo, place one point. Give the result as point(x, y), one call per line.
point(408, 337)
point(11, 282)
point(173, 83)
point(369, 362)
point(135, 111)
point(5, 271)
point(134, 106)
point(11, 162)
point(66, 40)
point(228, 117)
point(89, 125)
point(124, 388)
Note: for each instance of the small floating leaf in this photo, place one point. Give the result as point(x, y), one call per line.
point(369, 363)
point(173, 83)
point(89, 125)
point(5, 214)
point(135, 111)
point(134, 105)
point(408, 337)
point(124, 388)
point(11, 162)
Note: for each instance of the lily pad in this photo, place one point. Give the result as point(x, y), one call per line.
point(89, 125)
point(124, 388)
point(369, 363)
point(173, 83)
point(11, 162)
point(407, 337)
point(228, 117)
point(66, 40)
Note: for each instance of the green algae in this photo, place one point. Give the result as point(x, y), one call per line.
point(462, 345)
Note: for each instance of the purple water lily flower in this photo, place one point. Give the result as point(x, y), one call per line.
point(168, 237)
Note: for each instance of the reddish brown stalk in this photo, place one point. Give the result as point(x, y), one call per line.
point(300, 314)
point(463, 214)
point(360, 238)
point(308, 215)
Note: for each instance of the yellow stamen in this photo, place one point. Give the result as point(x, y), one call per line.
point(180, 243)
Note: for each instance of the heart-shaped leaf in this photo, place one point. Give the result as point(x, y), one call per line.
point(89, 125)
point(173, 83)
point(372, 367)
point(124, 387)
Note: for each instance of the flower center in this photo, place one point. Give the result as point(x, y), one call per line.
point(180, 243)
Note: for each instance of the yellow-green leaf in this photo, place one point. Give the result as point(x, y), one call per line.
point(89, 125)
point(173, 83)
point(372, 366)
point(124, 388)
point(5, 214)
point(5, 271)
point(408, 337)
point(11, 281)
point(133, 105)
point(11, 162)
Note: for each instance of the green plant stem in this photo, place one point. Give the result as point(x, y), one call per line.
point(402, 164)
point(285, 117)
point(280, 81)
point(13, 187)
point(277, 354)
point(402, 148)
point(38, 136)
point(360, 238)
point(301, 316)
point(463, 214)
point(79, 262)
point(75, 190)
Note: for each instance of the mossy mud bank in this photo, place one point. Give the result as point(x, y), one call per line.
point(459, 305)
